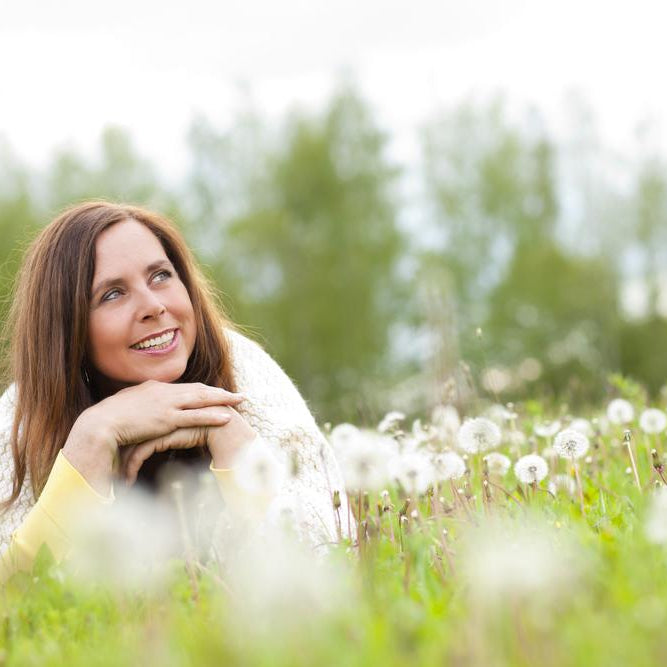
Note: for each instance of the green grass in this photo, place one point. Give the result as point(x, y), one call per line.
point(401, 600)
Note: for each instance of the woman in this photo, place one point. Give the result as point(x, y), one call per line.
point(119, 357)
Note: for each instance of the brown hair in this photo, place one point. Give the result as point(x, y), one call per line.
point(48, 329)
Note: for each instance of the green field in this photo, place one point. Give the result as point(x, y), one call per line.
point(495, 573)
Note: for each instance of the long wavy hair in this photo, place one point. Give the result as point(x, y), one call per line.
point(48, 330)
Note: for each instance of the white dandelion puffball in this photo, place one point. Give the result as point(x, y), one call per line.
point(257, 470)
point(446, 421)
point(501, 559)
point(499, 414)
point(421, 433)
point(570, 444)
point(498, 464)
point(478, 435)
point(364, 463)
point(343, 436)
point(448, 465)
point(126, 544)
point(601, 425)
point(583, 426)
point(391, 421)
point(620, 411)
point(531, 468)
point(547, 429)
point(413, 471)
point(653, 421)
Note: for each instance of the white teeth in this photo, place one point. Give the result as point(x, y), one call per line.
point(155, 342)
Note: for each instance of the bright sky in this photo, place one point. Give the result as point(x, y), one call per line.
point(68, 68)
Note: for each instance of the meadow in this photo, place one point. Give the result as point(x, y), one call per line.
point(516, 535)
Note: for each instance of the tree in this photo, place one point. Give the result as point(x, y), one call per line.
point(311, 261)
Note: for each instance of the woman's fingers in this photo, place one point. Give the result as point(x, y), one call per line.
point(209, 416)
point(198, 395)
point(132, 458)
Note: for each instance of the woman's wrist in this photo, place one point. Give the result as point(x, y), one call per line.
point(91, 449)
point(223, 452)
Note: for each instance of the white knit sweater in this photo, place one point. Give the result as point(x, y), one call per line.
point(274, 408)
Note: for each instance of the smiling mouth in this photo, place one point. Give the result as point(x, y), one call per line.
point(156, 343)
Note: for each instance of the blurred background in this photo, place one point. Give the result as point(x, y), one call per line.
point(405, 203)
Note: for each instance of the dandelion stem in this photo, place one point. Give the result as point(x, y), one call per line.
point(579, 487)
point(507, 493)
point(627, 438)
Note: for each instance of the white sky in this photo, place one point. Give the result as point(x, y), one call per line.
point(68, 68)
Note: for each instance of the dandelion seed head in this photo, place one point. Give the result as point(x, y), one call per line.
point(421, 433)
point(446, 421)
point(391, 421)
point(499, 414)
point(498, 464)
point(127, 544)
point(601, 425)
point(531, 468)
point(413, 470)
point(364, 462)
point(343, 436)
point(570, 444)
point(547, 429)
point(478, 435)
point(583, 426)
point(652, 421)
point(502, 560)
point(448, 465)
point(258, 470)
point(281, 584)
point(620, 411)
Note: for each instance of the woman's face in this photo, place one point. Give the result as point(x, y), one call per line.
point(141, 325)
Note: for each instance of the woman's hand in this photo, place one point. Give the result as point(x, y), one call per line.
point(138, 414)
point(224, 442)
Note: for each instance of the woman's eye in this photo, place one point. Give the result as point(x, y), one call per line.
point(111, 295)
point(161, 276)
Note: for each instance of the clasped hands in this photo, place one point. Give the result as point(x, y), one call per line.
point(126, 428)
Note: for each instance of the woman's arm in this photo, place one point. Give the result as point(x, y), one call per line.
point(278, 413)
point(52, 519)
point(83, 470)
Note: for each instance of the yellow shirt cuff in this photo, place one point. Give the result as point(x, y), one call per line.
point(237, 499)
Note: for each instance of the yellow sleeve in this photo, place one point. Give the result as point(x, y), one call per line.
point(50, 520)
point(240, 502)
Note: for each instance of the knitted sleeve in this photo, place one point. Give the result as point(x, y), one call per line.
point(276, 410)
point(14, 516)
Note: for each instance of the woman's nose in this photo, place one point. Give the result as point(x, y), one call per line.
point(150, 306)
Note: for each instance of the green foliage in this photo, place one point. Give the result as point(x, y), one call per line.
point(303, 226)
point(312, 261)
point(410, 600)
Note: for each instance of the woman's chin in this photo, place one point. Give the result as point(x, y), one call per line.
point(166, 374)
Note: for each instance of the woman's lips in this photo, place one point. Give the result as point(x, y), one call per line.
point(151, 351)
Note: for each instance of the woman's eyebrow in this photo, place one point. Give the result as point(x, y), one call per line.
point(108, 282)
